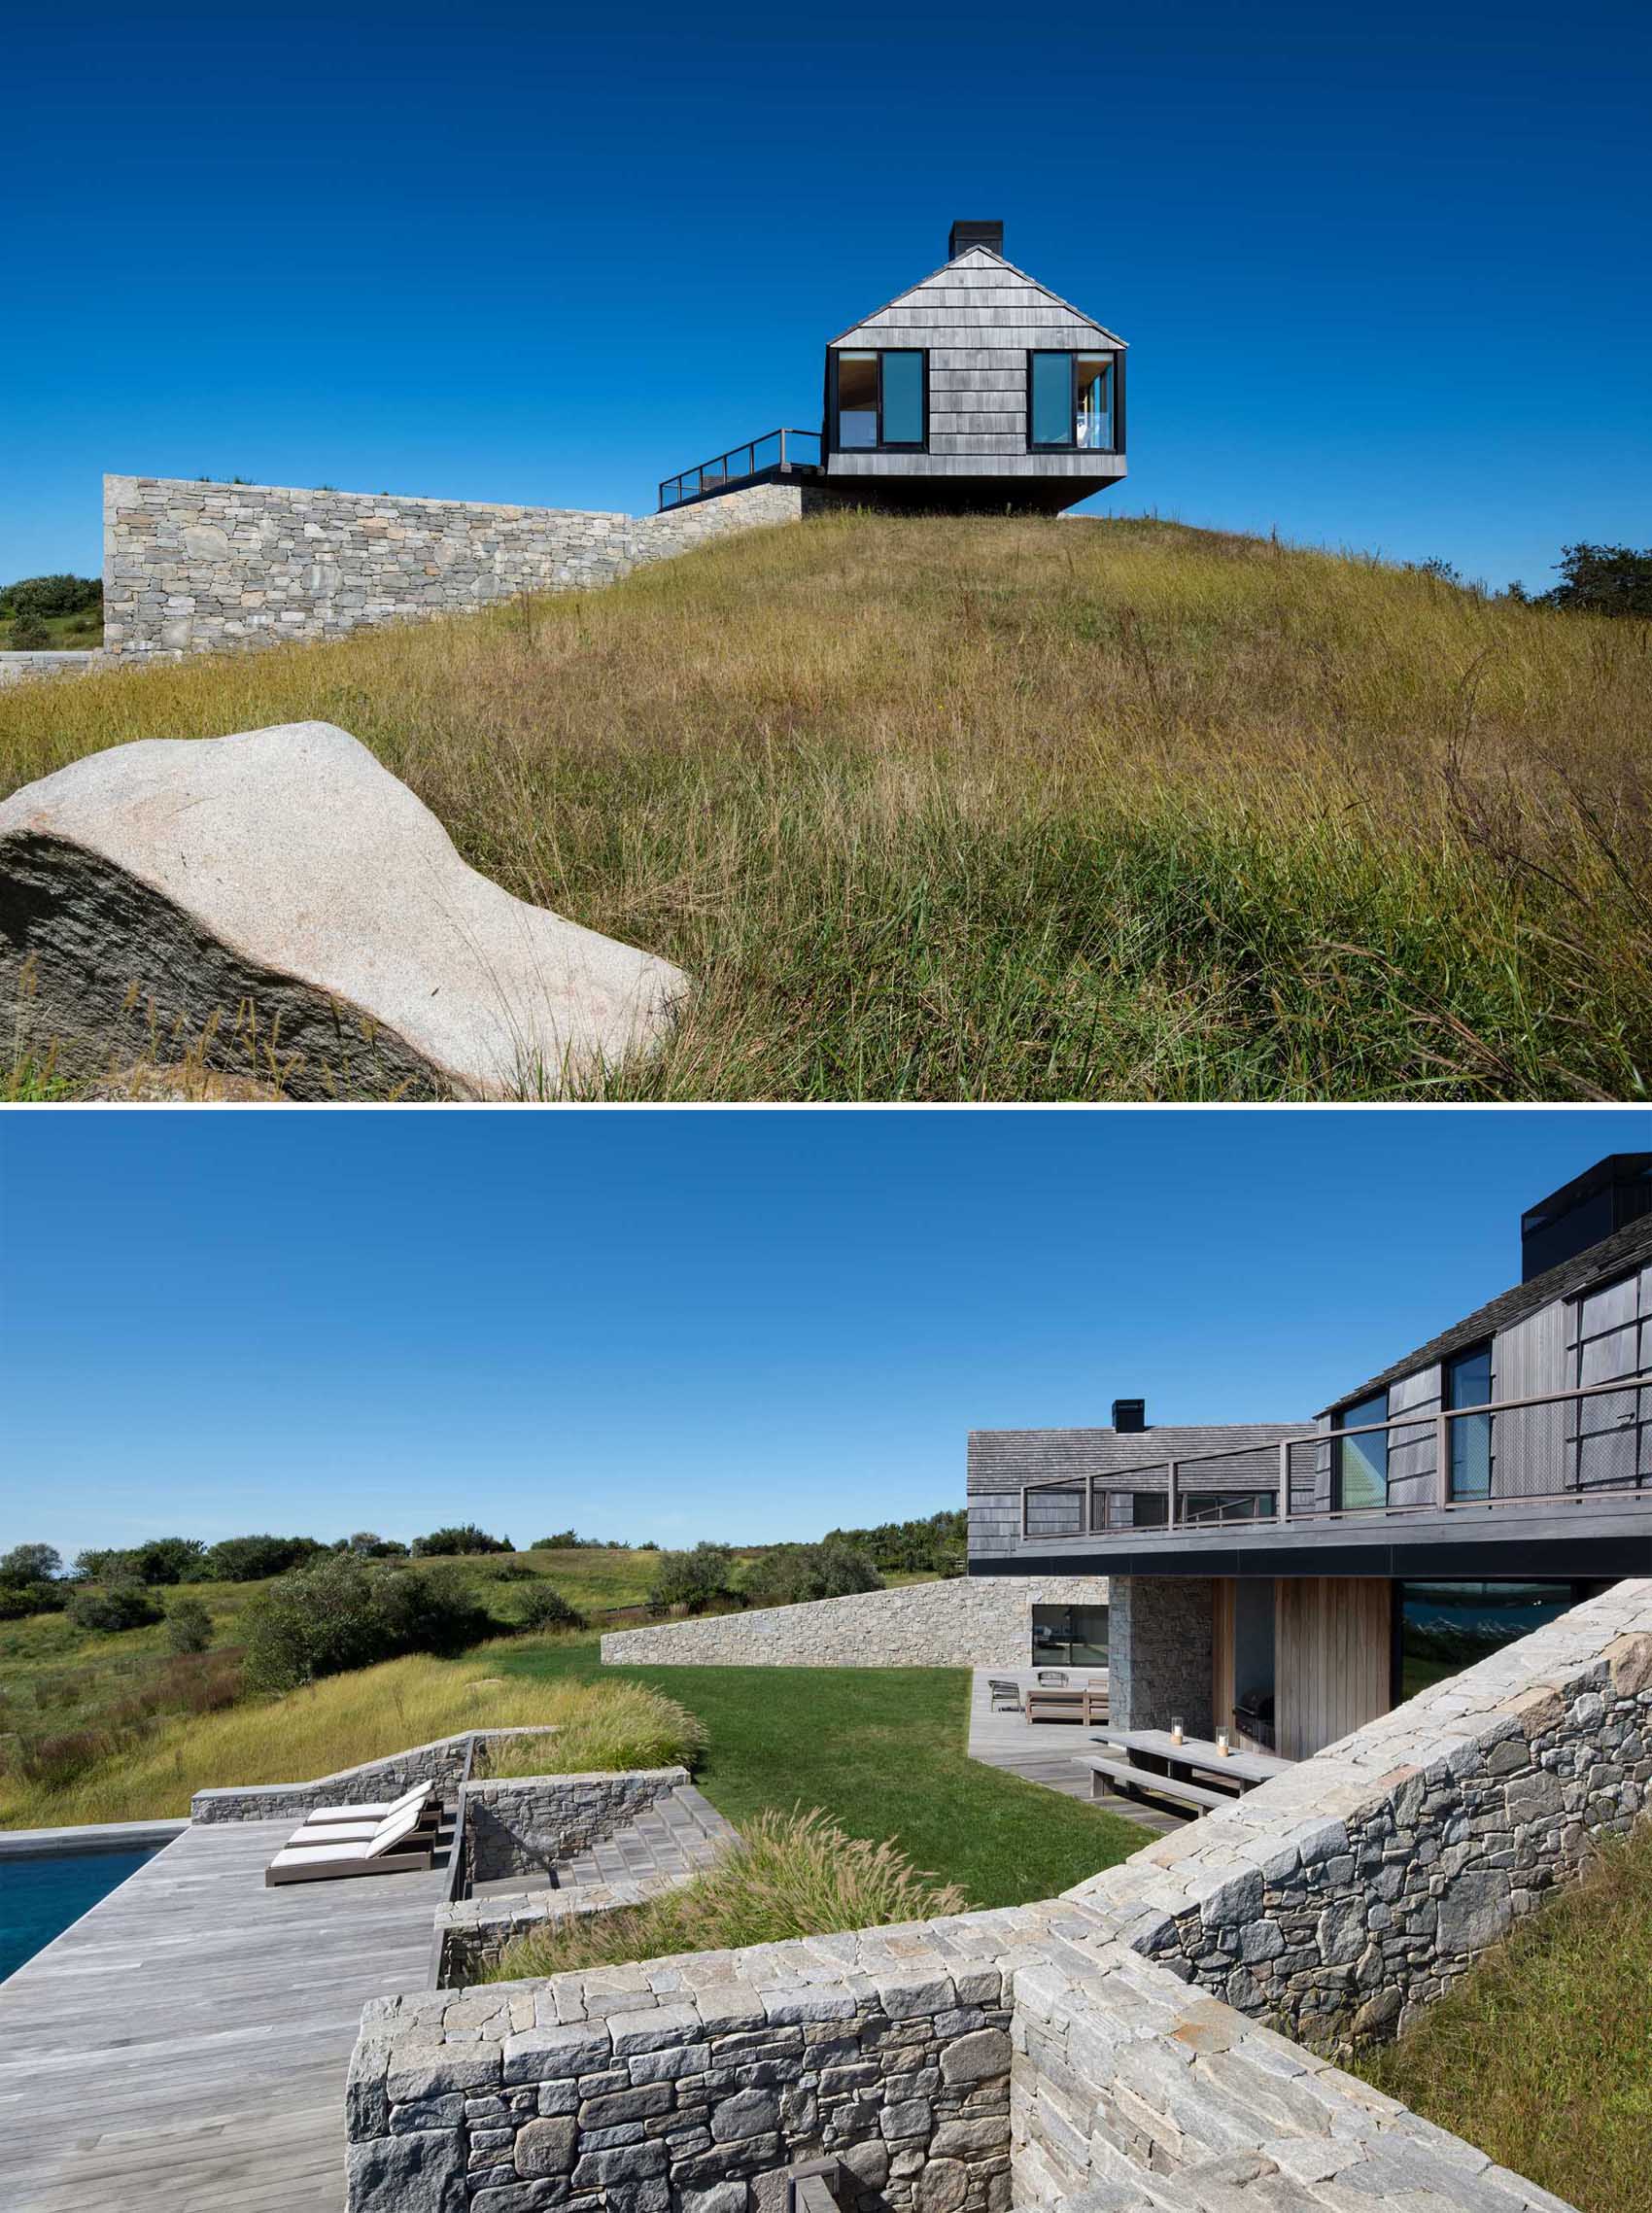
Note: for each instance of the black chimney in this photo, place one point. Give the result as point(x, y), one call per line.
point(1129, 1416)
point(964, 235)
point(1611, 1195)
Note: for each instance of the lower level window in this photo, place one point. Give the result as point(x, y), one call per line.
point(1445, 1627)
point(1070, 1636)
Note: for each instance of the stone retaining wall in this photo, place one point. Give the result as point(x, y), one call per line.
point(20, 667)
point(1027, 2057)
point(519, 1824)
point(691, 2083)
point(440, 1761)
point(198, 568)
point(1347, 1893)
point(967, 1622)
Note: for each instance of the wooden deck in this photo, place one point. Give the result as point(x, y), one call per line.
point(1048, 1753)
point(182, 2048)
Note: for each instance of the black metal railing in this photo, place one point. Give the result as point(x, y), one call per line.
point(1575, 1445)
point(776, 452)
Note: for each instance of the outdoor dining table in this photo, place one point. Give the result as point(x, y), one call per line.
point(1199, 1755)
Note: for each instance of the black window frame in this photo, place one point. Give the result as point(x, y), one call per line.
point(1338, 1420)
point(1073, 355)
point(1482, 1348)
point(900, 445)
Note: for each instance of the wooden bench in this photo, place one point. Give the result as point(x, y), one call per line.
point(1080, 1706)
point(1131, 1780)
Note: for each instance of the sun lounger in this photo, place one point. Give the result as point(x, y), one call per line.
point(380, 1811)
point(397, 1847)
point(425, 1811)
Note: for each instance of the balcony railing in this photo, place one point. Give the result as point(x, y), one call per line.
point(1560, 1446)
point(775, 454)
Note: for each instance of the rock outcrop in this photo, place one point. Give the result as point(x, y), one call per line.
point(276, 903)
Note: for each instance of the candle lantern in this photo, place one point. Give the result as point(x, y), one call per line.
point(1178, 1728)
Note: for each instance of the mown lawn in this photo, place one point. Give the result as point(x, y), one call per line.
point(958, 808)
point(1542, 2056)
point(881, 1752)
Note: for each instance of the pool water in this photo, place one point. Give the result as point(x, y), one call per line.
point(39, 1897)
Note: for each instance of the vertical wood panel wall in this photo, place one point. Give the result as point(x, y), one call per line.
point(1223, 1628)
point(1331, 1658)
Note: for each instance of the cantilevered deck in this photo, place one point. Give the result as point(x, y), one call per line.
point(182, 2048)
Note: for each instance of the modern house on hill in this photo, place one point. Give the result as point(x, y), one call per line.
point(1297, 1584)
point(977, 388)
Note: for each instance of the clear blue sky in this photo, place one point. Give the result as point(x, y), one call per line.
point(1382, 269)
point(690, 1325)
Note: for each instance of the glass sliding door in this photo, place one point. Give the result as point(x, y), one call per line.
point(1093, 386)
point(1468, 1381)
point(1050, 413)
point(1359, 1464)
point(903, 400)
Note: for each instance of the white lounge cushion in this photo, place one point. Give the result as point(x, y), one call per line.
point(396, 1831)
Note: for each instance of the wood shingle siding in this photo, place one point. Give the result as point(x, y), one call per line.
point(977, 320)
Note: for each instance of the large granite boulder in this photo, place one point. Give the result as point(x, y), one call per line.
point(277, 902)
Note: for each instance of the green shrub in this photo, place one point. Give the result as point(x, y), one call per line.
point(29, 633)
point(792, 1574)
point(113, 1607)
point(447, 1544)
point(51, 596)
point(547, 1608)
point(691, 1579)
point(254, 1559)
point(427, 1610)
point(792, 1875)
point(188, 1626)
point(157, 1560)
point(341, 1613)
point(31, 1562)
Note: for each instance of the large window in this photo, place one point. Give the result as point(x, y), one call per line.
point(1070, 1636)
point(1468, 1382)
point(878, 401)
point(1071, 403)
point(1612, 1434)
point(1359, 1464)
point(1443, 1627)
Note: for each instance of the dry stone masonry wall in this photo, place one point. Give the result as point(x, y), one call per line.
point(442, 1761)
point(1345, 1895)
point(971, 1623)
point(1105, 2052)
point(519, 1825)
point(198, 568)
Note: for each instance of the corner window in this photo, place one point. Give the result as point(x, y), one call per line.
point(1359, 1464)
point(1071, 402)
point(878, 401)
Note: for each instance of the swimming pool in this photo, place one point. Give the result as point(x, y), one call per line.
point(42, 1895)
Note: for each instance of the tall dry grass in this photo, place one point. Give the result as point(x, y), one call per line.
point(791, 1875)
point(360, 1716)
point(1021, 809)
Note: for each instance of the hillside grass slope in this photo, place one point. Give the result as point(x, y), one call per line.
point(941, 809)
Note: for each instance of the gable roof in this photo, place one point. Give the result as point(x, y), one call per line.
point(1003, 1459)
point(980, 257)
point(1626, 1248)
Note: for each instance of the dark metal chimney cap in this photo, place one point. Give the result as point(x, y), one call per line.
point(1129, 1416)
point(964, 235)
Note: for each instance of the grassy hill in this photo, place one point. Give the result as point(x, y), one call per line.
point(988, 809)
point(97, 1726)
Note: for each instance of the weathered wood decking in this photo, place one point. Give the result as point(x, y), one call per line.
point(1047, 1752)
point(182, 2048)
